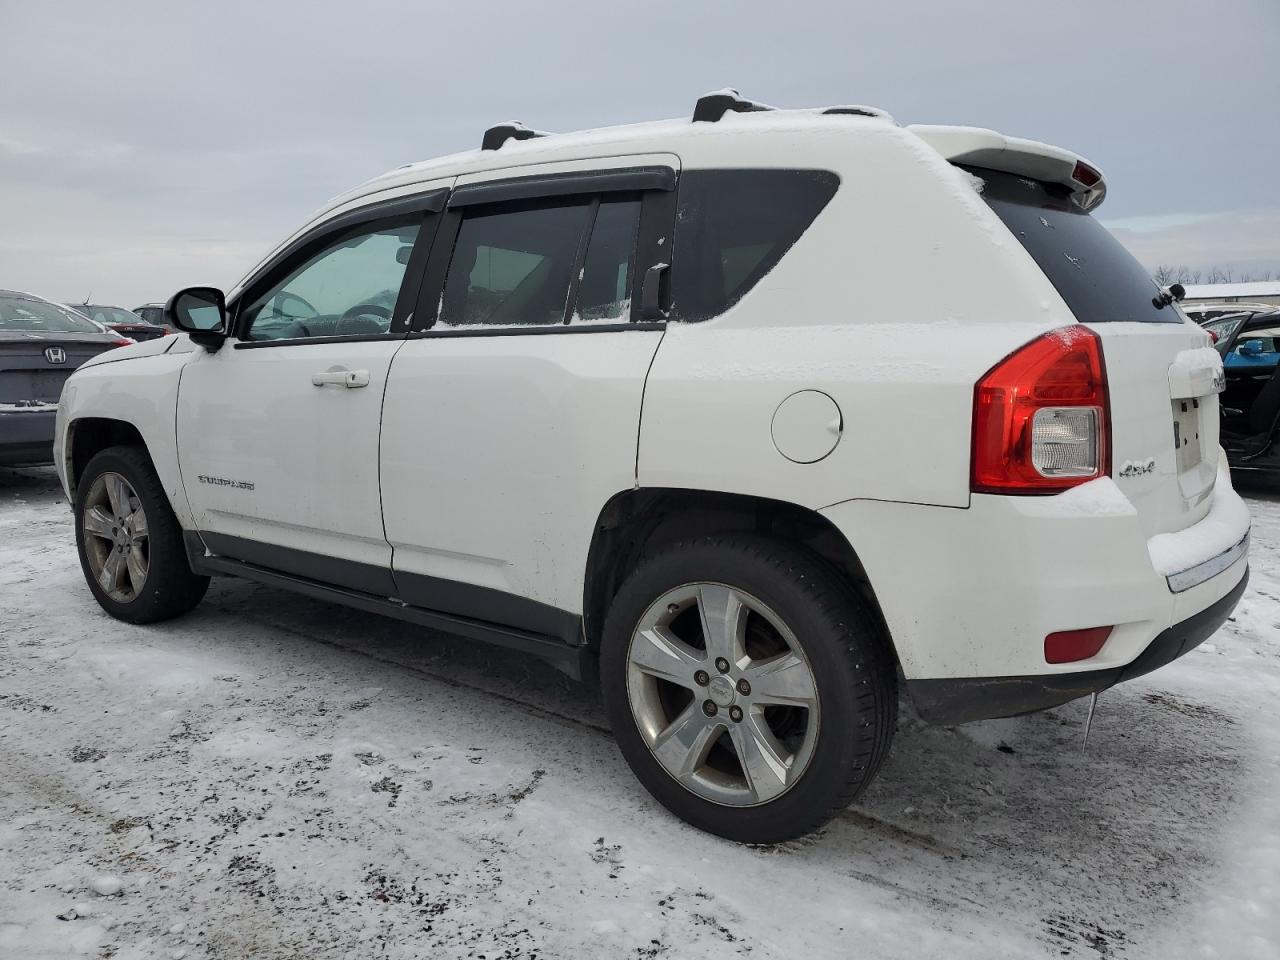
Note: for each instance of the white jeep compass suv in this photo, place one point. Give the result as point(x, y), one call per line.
point(761, 420)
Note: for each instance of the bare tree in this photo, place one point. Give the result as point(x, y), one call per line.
point(1165, 275)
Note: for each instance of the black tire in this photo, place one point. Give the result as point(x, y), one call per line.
point(849, 656)
point(170, 588)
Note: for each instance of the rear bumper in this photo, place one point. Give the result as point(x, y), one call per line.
point(969, 595)
point(983, 698)
point(26, 435)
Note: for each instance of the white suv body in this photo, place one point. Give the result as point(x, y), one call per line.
point(815, 384)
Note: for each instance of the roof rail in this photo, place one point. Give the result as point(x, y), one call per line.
point(712, 106)
point(497, 135)
point(858, 110)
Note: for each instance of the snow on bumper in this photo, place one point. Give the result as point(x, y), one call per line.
point(972, 593)
point(1192, 556)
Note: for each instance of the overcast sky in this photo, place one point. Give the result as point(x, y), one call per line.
point(170, 144)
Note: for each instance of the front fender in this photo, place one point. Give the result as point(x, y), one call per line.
point(141, 391)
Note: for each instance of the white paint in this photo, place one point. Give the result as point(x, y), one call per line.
point(311, 453)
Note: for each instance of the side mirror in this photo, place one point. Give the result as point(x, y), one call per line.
point(201, 312)
point(1250, 348)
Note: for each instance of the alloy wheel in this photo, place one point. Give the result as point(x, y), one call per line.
point(116, 542)
point(723, 694)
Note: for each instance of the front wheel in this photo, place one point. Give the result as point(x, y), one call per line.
point(750, 690)
point(130, 542)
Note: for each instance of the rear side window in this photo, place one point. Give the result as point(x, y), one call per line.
point(732, 228)
point(1091, 270)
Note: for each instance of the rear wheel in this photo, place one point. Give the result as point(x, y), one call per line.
point(130, 543)
point(749, 688)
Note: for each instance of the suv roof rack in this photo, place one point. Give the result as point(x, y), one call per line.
point(712, 106)
point(497, 135)
point(859, 110)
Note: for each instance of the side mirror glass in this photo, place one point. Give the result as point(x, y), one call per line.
point(201, 312)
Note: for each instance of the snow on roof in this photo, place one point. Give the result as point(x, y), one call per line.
point(1221, 291)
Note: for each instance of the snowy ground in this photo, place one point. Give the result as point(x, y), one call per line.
point(271, 777)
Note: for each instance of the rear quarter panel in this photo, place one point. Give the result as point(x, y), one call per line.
point(895, 301)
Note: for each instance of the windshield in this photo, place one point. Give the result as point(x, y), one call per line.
point(39, 316)
point(106, 314)
point(1092, 271)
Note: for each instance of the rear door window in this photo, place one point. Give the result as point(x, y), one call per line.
point(543, 262)
point(604, 293)
point(732, 228)
point(1095, 275)
point(514, 266)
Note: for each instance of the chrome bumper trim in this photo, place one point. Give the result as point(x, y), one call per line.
point(1194, 576)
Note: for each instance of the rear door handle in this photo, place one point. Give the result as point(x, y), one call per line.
point(341, 377)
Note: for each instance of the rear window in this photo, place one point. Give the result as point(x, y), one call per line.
point(732, 228)
point(38, 316)
point(105, 315)
point(1097, 277)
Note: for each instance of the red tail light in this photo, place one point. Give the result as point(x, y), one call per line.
point(123, 342)
point(1041, 418)
point(1072, 645)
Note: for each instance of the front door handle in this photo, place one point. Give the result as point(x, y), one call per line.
point(341, 377)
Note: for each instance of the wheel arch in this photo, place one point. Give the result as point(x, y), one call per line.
point(635, 523)
point(88, 436)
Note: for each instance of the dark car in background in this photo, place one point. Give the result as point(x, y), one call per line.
point(41, 344)
point(1249, 341)
point(153, 313)
point(121, 321)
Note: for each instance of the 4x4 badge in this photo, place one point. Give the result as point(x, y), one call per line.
point(1136, 468)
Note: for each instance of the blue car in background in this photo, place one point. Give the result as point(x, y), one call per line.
point(1249, 342)
point(1256, 353)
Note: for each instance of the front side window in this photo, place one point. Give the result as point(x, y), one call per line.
point(38, 316)
point(347, 289)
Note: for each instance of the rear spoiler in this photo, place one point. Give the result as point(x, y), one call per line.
point(1026, 158)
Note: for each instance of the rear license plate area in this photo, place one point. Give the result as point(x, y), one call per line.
point(1186, 434)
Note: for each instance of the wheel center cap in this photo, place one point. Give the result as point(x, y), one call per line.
point(721, 690)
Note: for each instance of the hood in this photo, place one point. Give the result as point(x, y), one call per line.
point(148, 348)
